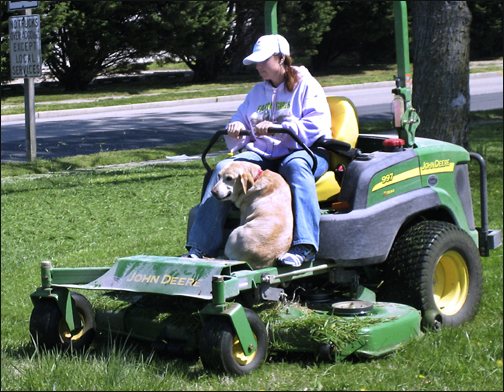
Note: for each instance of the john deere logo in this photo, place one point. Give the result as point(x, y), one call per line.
point(165, 279)
point(436, 164)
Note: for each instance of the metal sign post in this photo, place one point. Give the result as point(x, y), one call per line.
point(26, 62)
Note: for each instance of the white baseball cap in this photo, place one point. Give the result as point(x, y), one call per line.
point(267, 46)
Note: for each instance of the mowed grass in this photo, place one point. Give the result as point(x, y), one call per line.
point(91, 217)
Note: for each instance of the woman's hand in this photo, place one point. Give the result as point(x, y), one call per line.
point(234, 129)
point(262, 128)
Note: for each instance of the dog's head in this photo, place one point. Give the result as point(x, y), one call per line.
point(235, 179)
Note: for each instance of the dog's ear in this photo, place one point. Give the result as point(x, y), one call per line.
point(247, 181)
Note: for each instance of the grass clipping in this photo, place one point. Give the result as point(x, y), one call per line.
point(293, 327)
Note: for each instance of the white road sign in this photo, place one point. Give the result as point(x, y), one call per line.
point(25, 46)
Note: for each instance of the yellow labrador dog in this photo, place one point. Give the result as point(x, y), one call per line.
point(265, 203)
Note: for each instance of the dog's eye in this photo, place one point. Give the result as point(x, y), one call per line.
point(229, 178)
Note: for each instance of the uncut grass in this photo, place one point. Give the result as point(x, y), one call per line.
point(90, 218)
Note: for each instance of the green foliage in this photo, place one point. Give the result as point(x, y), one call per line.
point(303, 24)
point(5, 47)
point(486, 29)
point(354, 38)
point(82, 40)
point(194, 31)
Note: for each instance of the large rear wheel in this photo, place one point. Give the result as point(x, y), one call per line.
point(435, 266)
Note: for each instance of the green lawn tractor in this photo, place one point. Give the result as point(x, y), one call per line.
point(399, 251)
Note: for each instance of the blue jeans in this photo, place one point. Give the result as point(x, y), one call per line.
point(207, 230)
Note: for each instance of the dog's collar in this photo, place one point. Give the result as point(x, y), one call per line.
point(258, 174)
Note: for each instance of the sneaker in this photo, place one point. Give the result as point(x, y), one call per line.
point(297, 255)
point(194, 253)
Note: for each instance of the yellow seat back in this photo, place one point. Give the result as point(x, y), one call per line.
point(344, 127)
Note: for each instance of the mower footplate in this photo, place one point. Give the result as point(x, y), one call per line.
point(164, 275)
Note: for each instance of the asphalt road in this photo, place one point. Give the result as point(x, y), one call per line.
point(88, 131)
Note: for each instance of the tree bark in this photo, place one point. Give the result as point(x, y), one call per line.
point(441, 69)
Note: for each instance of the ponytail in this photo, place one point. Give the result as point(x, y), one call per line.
point(291, 78)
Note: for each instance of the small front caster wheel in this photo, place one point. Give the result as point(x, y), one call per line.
point(432, 320)
point(221, 350)
point(49, 329)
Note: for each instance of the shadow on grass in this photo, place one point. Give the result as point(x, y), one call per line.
point(129, 176)
point(25, 351)
point(107, 345)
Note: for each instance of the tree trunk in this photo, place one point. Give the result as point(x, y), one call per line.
point(441, 69)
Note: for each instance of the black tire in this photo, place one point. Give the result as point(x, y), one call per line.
point(49, 329)
point(435, 266)
point(326, 352)
point(220, 349)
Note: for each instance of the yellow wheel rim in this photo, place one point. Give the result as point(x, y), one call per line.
point(451, 283)
point(239, 355)
point(64, 331)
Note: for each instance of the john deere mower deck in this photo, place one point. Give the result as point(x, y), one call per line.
point(161, 311)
